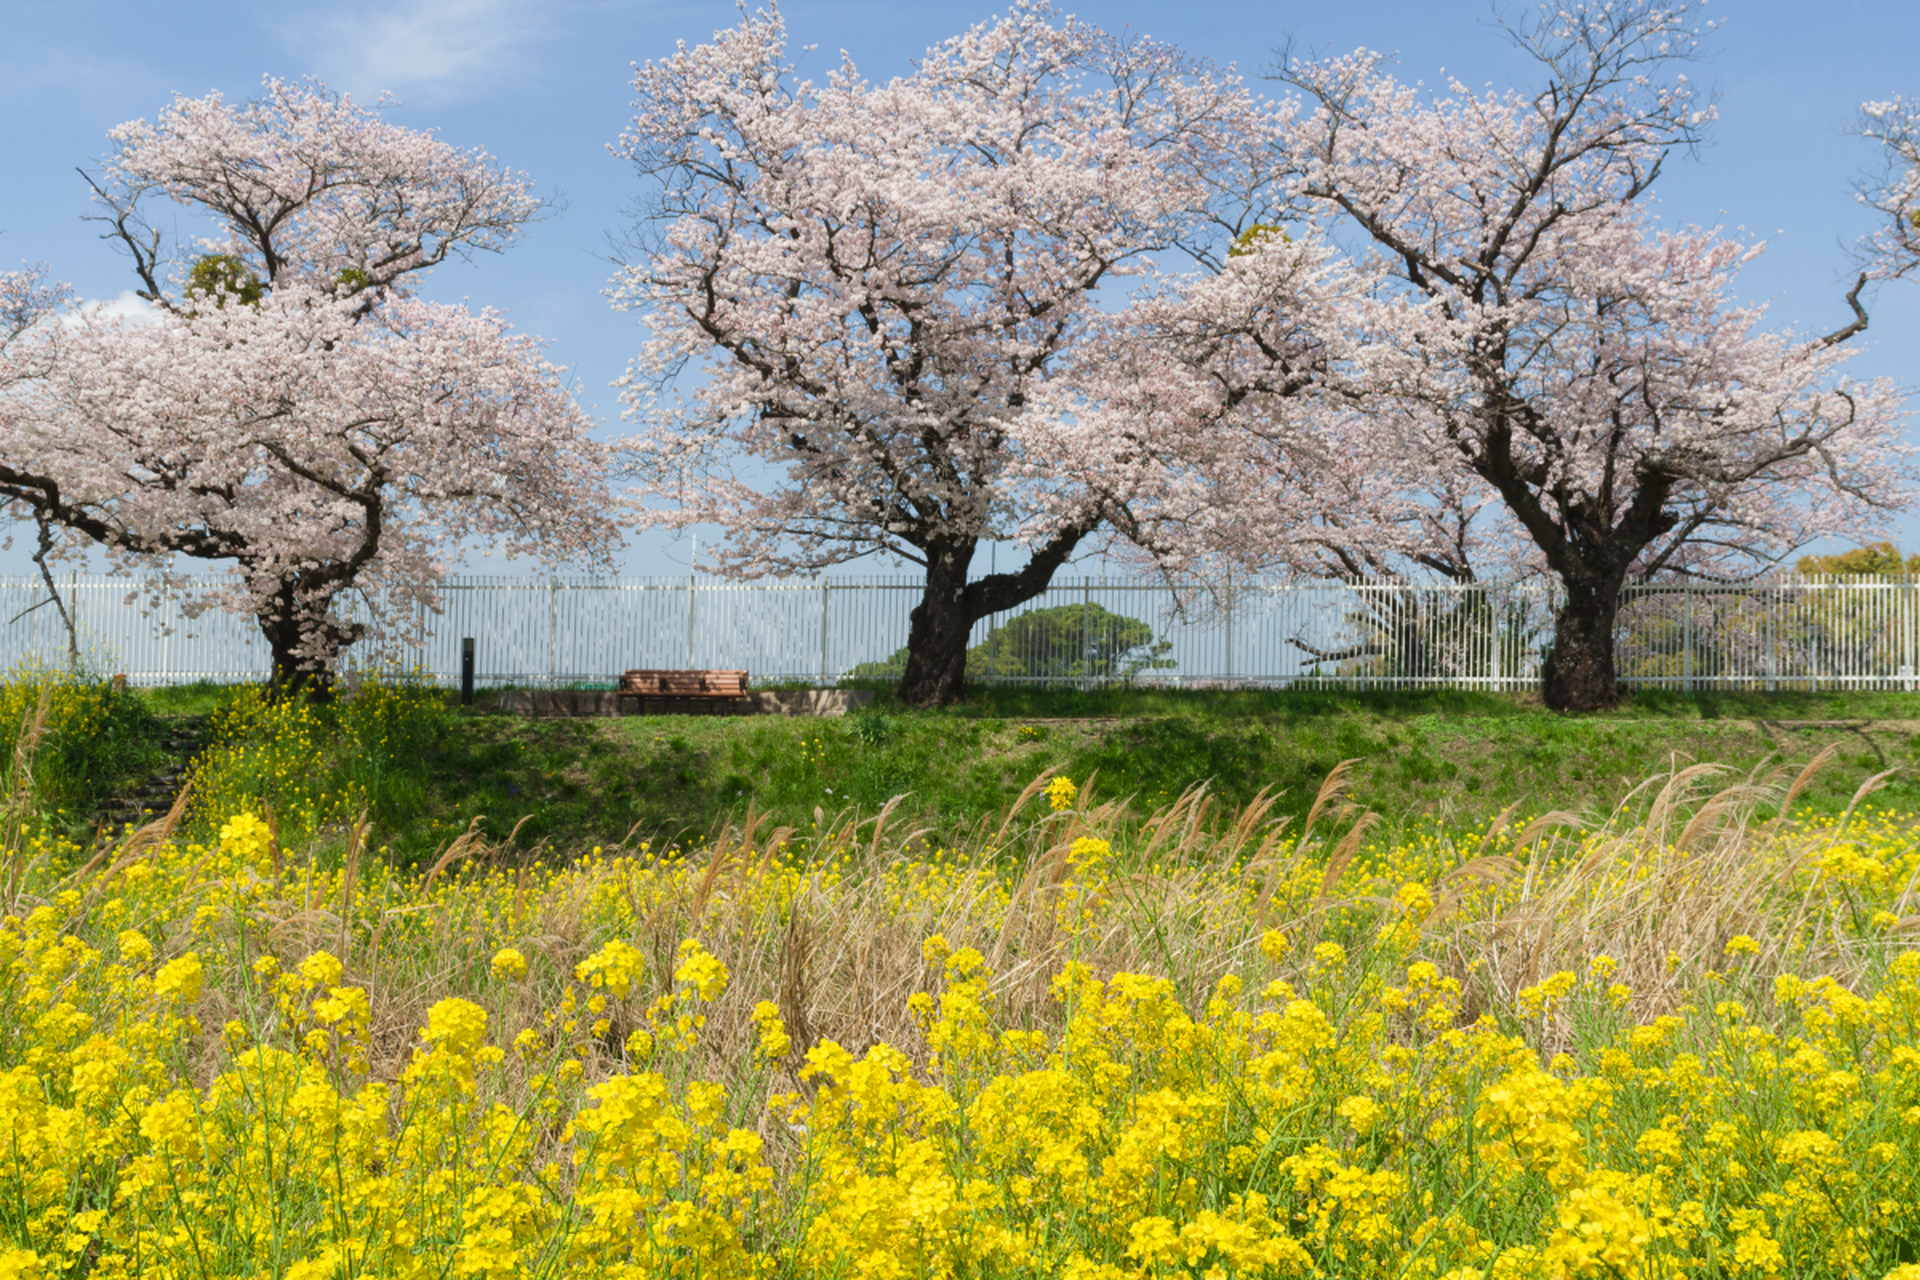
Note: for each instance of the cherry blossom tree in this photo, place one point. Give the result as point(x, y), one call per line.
point(26, 299)
point(878, 315)
point(28, 302)
point(1530, 342)
point(1894, 249)
point(293, 409)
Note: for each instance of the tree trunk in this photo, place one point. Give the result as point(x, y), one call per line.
point(293, 675)
point(295, 624)
point(53, 593)
point(1579, 674)
point(937, 632)
point(937, 635)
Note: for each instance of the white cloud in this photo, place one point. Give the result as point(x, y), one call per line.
point(128, 305)
point(423, 48)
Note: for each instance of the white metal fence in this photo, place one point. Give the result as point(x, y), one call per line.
point(1794, 633)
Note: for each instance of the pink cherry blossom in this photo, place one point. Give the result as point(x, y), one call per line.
point(1894, 249)
point(294, 410)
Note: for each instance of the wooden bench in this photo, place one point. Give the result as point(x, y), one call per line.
point(685, 692)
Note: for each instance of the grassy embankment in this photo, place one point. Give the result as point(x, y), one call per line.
point(578, 783)
point(1094, 1040)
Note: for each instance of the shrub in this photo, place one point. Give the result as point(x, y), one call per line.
point(1066, 643)
point(81, 736)
point(316, 767)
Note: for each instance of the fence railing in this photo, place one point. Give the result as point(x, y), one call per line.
point(1791, 633)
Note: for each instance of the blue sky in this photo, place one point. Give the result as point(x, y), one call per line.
point(545, 87)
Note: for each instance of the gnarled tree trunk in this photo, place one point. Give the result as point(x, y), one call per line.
point(1578, 674)
point(937, 641)
point(937, 632)
point(294, 621)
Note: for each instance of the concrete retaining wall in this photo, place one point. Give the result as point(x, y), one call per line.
point(560, 702)
point(811, 702)
point(595, 702)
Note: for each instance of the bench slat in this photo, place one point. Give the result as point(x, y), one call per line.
point(647, 682)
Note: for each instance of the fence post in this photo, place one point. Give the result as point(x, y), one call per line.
point(1686, 638)
point(1496, 625)
point(1086, 633)
point(692, 580)
point(1907, 630)
point(824, 588)
point(553, 632)
point(1773, 637)
point(1229, 677)
point(466, 671)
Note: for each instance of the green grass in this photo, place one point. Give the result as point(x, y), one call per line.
point(574, 783)
point(93, 742)
point(202, 697)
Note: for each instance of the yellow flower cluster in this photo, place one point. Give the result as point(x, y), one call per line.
point(1061, 793)
point(291, 1160)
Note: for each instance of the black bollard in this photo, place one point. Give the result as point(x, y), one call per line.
point(466, 672)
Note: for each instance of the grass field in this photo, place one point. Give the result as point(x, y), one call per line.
point(578, 783)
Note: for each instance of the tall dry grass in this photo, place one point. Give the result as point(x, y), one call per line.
point(830, 924)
